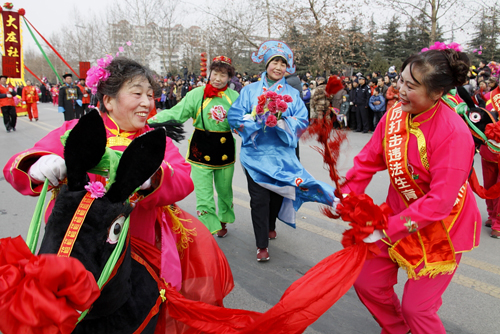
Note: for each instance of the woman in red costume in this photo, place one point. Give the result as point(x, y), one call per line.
point(428, 151)
point(174, 239)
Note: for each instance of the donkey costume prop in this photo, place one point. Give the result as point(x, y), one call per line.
point(130, 298)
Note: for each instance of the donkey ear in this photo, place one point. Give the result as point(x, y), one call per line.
point(139, 162)
point(84, 149)
point(462, 92)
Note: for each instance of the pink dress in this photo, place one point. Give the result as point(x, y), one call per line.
point(450, 151)
point(176, 184)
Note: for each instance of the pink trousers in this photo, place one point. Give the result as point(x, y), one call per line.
point(491, 176)
point(421, 298)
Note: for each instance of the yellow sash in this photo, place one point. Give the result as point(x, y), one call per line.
point(431, 244)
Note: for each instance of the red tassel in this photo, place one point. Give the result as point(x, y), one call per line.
point(334, 85)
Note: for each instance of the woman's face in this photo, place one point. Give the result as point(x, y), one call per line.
point(276, 69)
point(491, 84)
point(413, 96)
point(131, 106)
point(387, 80)
point(218, 78)
point(482, 85)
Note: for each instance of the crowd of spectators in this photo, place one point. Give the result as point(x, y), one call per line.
point(359, 106)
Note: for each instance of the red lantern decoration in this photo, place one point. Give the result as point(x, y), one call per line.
point(203, 64)
point(21, 11)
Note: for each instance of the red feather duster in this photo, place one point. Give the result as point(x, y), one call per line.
point(334, 85)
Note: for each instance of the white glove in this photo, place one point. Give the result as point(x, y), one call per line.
point(24, 102)
point(281, 124)
point(51, 167)
point(248, 117)
point(9, 95)
point(336, 202)
point(146, 184)
point(85, 95)
point(375, 236)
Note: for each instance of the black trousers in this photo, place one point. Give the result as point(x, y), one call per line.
point(9, 117)
point(265, 206)
point(69, 114)
point(352, 118)
point(79, 111)
point(362, 119)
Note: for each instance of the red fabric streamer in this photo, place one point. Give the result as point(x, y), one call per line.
point(314, 293)
point(331, 140)
point(301, 304)
point(490, 193)
point(33, 74)
point(41, 294)
point(53, 49)
point(334, 85)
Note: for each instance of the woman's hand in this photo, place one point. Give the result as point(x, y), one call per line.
point(375, 236)
point(51, 167)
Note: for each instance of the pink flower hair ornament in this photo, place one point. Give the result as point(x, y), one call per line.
point(100, 73)
point(443, 46)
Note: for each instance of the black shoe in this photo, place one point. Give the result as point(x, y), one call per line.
point(13, 129)
point(9, 129)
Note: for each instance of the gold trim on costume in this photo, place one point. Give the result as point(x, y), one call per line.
point(422, 146)
point(118, 141)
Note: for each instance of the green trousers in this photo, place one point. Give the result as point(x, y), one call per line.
point(204, 180)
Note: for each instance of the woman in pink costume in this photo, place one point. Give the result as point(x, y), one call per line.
point(428, 151)
point(159, 227)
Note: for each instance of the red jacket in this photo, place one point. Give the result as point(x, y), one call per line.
point(7, 101)
point(30, 94)
point(85, 99)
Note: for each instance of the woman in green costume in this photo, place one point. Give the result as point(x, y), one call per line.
point(211, 147)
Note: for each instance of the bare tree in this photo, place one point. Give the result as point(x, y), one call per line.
point(448, 13)
point(315, 32)
point(245, 17)
point(134, 20)
point(166, 35)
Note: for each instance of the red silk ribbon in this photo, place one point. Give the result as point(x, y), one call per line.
point(41, 294)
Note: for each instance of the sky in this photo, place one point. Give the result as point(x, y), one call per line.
point(48, 16)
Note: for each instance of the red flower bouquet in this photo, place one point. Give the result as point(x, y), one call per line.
point(270, 107)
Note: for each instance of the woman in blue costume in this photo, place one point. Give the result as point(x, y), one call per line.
point(278, 184)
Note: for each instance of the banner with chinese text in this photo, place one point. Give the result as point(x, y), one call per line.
point(12, 60)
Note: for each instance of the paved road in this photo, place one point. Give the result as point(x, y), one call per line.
point(471, 304)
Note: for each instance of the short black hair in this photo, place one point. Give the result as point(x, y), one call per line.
point(121, 70)
point(223, 67)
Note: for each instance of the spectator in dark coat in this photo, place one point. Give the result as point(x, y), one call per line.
point(352, 94)
point(294, 81)
point(235, 84)
point(306, 97)
point(484, 70)
point(361, 101)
